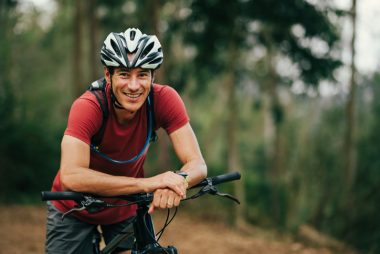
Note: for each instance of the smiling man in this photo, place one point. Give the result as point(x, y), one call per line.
point(136, 107)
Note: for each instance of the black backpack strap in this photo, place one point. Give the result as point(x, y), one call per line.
point(98, 88)
point(153, 136)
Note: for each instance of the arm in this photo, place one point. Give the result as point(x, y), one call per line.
point(187, 149)
point(77, 176)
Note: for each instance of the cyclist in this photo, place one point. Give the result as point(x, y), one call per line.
point(130, 59)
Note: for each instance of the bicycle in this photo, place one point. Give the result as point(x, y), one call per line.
point(146, 240)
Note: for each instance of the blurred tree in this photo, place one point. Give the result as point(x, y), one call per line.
point(27, 147)
point(353, 217)
point(218, 34)
point(149, 13)
point(361, 223)
point(7, 100)
point(290, 29)
point(78, 53)
point(286, 30)
point(93, 39)
point(350, 132)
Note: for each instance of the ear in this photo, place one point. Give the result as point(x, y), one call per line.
point(107, 74)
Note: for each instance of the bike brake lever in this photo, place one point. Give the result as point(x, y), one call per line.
point(212, 190)
point(209, 188)
point(89, 203)
point(226, 195)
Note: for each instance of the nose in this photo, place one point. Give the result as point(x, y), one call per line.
point(133, 84)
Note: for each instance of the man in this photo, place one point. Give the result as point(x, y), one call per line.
point(116, 166)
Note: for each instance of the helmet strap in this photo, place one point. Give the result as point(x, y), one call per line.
point(114, 100)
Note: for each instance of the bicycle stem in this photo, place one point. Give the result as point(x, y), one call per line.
point(144, 228)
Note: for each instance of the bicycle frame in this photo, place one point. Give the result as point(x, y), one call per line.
point(144, 233)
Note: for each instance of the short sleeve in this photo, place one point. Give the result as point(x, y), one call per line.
point(85, 118)
point(169, 109)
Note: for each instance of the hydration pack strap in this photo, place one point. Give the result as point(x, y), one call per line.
point(98, 88)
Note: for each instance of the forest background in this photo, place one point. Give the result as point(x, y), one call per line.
point(271, 88)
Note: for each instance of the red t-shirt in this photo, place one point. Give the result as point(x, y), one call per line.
point(120, 142)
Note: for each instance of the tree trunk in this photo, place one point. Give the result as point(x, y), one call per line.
point(94, 38)
point(78, 49)
point(153, 8)
point(350, 139)
point(232, 142)
point(272, 129)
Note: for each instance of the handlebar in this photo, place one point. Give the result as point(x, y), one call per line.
point(64, 195)
point(215, 180)
point(77, 196)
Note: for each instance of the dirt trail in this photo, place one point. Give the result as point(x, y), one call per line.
point(23, 231)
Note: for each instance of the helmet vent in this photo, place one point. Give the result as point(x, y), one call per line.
point(115, 48)
point(147, 49)
point(132, 35)
point(156, 61)
point(105, 57)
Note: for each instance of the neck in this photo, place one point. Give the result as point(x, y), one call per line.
point(124, 116)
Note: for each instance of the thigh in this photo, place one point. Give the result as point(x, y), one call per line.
point(126, 226)
point(68, 236)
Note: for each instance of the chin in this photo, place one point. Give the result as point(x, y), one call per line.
point(133, 108)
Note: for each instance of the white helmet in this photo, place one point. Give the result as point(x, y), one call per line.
point(145, 49)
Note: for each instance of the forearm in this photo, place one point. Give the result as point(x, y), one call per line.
point(82, 179)
point(91, 181)
point(196, 170)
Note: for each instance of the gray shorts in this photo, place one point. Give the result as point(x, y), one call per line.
point(72, 236)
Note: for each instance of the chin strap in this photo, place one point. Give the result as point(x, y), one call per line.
point(114, 100)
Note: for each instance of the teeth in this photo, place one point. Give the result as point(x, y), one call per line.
point(132, 95)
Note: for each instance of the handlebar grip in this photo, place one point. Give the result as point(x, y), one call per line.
point(219, 179)
point(225, 178)
point(65, 195)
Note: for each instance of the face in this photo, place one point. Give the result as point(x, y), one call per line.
point(130, 86)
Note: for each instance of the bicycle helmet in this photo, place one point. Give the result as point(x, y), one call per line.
point(144, 50)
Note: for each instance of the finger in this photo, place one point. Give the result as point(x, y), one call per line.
point(157, 198)
point(177, 183)
point(177, 200)
point(163, 201)
point(151, 209)
point(170, 202)
point(177, 188)
point(184, 193)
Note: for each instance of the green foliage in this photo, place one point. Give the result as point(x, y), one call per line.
point(30, 129)
point(217, 28)
point(359, 214)
point(212, 30)
point(29, 159)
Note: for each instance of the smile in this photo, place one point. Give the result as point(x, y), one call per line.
point(133, 95)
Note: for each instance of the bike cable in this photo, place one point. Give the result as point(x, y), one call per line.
point(166, 224)
point(154, 237)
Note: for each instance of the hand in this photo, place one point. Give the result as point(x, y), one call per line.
point(167, 180)
point(164, 198)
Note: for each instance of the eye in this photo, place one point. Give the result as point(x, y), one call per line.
point(143, 74)
point(123, 74)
